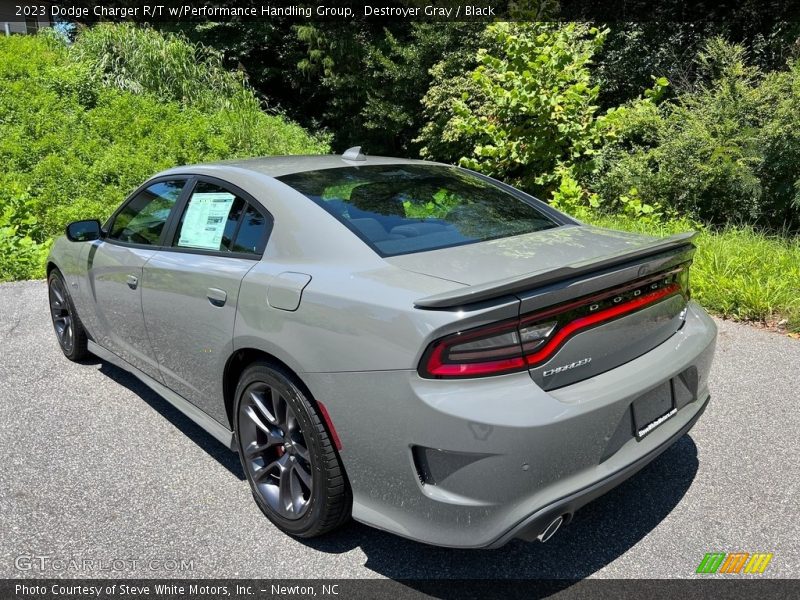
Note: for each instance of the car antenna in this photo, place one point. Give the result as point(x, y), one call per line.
point(354, 153)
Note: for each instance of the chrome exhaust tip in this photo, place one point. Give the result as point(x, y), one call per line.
point(551, 529)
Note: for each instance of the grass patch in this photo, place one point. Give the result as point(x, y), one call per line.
point(738, 272)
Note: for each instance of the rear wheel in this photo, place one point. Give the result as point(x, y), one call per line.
point(69, 330)
point(289, 459)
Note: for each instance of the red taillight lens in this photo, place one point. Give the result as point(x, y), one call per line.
point(531, 340)
point(484, 351)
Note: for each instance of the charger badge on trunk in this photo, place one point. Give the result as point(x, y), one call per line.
point(572, 365)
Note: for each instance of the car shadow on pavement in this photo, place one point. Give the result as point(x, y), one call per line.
point(600, 532)
point(228, 459)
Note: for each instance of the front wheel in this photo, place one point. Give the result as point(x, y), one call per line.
point(289, 459)
point(69, 330)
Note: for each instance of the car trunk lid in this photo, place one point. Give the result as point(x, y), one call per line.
point(610, 296)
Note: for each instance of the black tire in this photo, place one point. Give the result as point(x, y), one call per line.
point(282, 439)
point(71, 335)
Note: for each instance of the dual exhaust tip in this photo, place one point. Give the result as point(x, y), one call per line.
point(552, 528)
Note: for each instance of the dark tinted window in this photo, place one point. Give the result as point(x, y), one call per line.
point(399, 209)
point(210, 219)
point(253, 232)
point(142, 219)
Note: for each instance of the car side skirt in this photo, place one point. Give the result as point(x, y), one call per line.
point(218, 431)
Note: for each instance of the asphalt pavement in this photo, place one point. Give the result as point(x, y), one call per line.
point(96, 468)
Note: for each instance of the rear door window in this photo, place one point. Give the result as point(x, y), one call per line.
point(210, 219)
point(217, 219)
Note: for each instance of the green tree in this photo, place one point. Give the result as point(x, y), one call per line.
point(538, 114)
point(376, 77)
point(451, 85)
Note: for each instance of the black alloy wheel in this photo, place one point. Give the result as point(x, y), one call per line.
point(287, 454)
point(69, 330)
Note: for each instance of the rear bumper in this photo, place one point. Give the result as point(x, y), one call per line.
point(533, 525)
point(474, 463)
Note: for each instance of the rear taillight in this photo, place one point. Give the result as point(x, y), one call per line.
point(530, 340)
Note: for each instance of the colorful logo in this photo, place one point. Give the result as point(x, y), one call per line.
point(734, 562)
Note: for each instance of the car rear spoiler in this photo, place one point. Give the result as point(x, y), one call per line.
point(536, 279)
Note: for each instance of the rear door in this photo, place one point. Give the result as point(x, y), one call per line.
point(191, 287)
point(115, 265)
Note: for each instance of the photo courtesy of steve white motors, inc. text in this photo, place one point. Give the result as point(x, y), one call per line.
point(187, 11)
point(144, 589)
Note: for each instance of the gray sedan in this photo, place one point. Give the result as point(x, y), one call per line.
point(412, 344)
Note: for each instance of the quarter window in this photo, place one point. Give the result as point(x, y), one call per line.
point(142, 220)
point(252, 234)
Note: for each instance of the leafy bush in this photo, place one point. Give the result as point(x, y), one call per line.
point(537, 111)
point(75, 142)
point(142, 60)
point(725, 151)
point(20, 256)
point(523, 109)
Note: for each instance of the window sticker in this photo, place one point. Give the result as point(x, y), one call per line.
point(204, 221)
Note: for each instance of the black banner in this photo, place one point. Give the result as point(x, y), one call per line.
point(414, 10)
point(733, 588)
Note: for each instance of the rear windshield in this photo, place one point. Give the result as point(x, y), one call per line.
point(400, 209)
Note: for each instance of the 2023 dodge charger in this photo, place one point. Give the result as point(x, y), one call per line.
point(419, 346)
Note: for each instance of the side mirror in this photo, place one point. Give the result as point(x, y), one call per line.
point(84, 231)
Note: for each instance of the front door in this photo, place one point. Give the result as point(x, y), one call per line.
point(115, 268)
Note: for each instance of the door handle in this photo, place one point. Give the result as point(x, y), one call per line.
point(132, 281)
point(217, 297)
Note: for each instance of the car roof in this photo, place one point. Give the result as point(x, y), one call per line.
point(277, 166)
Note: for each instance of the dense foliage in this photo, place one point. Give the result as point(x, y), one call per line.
point(635, 106)
point(726, 151)
point(645, 125)
point(79, 133)
point(361, 81)
point(537, 116)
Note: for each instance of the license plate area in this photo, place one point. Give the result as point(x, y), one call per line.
point(652, 409)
